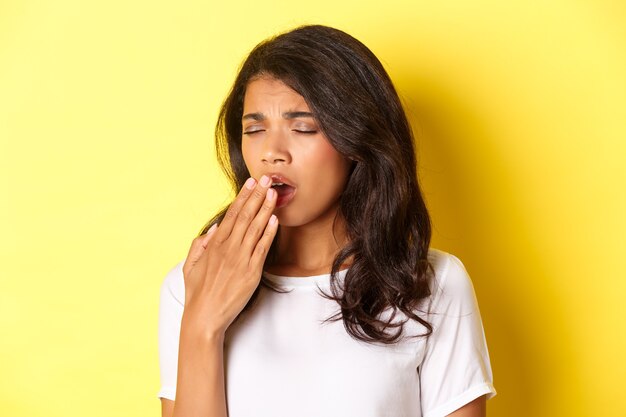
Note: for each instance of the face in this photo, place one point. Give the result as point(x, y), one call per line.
point(281, 139)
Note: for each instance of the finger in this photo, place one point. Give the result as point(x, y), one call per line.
point(263, 246)
point(258, 225)
point(198, 246)
point(232, 213)
point(250, 209)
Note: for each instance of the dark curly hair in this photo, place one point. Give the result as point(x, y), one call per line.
point(358, 109)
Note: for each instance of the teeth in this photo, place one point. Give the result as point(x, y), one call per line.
point(274, 184)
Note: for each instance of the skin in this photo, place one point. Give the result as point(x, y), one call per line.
point(275, 141)
point(223, 267)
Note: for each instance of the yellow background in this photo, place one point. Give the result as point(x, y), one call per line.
point(106, 119)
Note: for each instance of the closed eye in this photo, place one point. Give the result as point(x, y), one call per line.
point(305, 132)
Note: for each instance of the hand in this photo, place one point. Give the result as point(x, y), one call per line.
point(224, 266)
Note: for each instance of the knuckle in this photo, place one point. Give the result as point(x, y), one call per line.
point(232, 213)
point(254, 231)
point(245, 215)
point(244, 193)
point(258, 193)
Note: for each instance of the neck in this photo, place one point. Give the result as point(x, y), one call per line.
point(309, 249)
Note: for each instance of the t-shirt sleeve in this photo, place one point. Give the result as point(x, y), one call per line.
point(171, 305)
point(455, 369)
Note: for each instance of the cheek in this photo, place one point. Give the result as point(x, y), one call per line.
point(328, 164)
point(247, 152)
point(321, 152)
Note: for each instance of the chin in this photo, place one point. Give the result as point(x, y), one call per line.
point(289, 218)
point(293, 216)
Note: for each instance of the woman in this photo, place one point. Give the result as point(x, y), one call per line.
point(315, 293)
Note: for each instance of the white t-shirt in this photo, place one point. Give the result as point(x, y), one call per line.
point(280, 361)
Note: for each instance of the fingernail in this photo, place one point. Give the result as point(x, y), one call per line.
point(250, 183)
point(273, 219)
point(212, 228)
point(265, 181)
point(270, 193)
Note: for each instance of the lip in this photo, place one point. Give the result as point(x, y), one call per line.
point(278, 177)
point(284, 199)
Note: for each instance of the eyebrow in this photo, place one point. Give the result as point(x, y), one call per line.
point(287, 115)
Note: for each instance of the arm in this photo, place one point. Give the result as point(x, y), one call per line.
point(221, 272)
point(200, 385)
point(476, 408)
point(200, 389)
point(167, 407)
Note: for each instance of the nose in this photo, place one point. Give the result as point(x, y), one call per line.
point(276, 148)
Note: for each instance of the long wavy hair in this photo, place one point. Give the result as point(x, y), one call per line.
point(387, 223)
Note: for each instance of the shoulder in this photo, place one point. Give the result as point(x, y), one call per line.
point(173, 284)
point(451, 283)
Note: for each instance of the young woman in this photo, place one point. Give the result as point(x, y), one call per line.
point(315, 293)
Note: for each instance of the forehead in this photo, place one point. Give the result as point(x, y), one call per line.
point(267, 91)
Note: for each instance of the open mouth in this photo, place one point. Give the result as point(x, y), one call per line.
point(285, 192)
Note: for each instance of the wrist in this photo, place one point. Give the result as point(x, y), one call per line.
point(201, 331)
